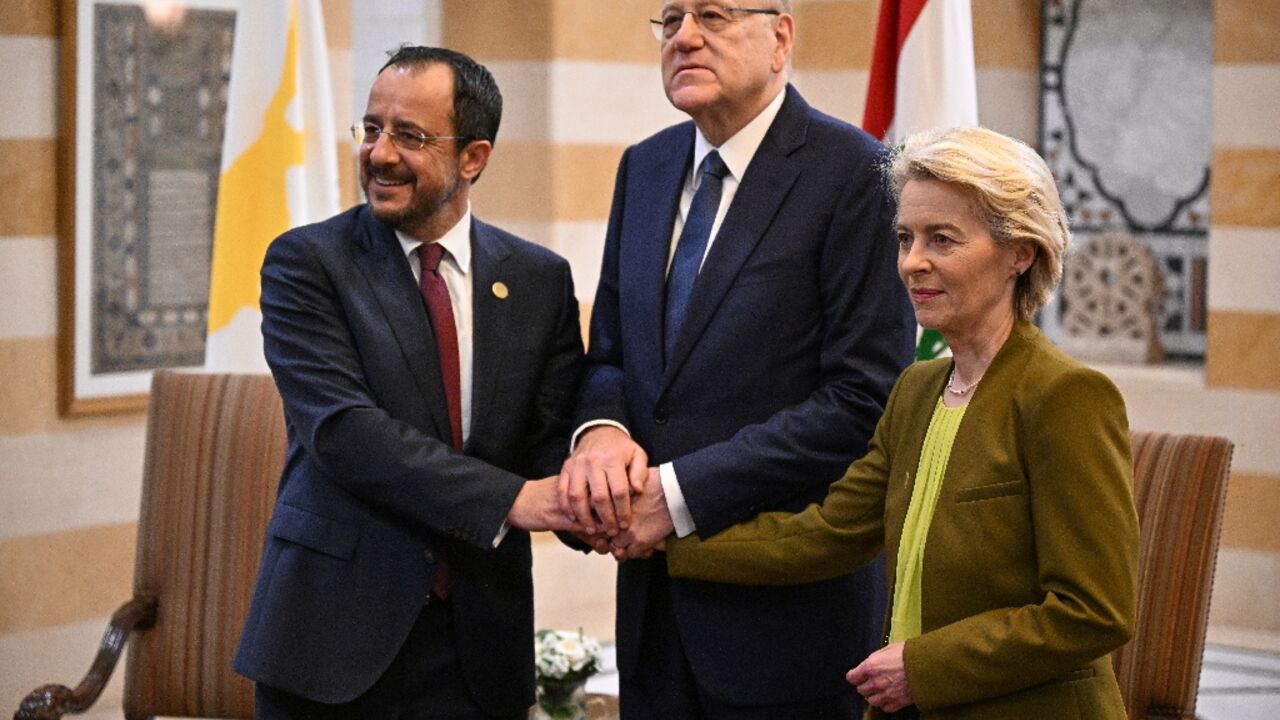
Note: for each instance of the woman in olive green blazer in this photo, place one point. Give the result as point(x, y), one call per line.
point(1029, 570)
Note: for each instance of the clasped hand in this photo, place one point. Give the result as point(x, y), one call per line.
point(607, 487)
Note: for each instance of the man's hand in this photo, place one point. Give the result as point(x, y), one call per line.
point(537, 507)
point(599, 543)
point(597, 481)
point(652, 521)
point(882, 679)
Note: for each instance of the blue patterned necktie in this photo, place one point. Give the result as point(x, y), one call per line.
point(692, 246)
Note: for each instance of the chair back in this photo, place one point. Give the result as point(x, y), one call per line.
point(1180, 485)
point(215, 448)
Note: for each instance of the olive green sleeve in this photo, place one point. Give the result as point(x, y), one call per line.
point(820, 542)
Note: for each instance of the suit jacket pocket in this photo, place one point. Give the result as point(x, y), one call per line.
point(783, 269)
point(1083, 673)
point(319, 533)
point(989, 492)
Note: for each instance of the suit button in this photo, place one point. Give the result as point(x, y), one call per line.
point(660, 414)
point(430, 556)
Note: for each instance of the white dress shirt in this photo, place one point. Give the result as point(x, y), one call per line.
point(455, 268)
point(736, 152)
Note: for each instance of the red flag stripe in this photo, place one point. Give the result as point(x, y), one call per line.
point(897, 17)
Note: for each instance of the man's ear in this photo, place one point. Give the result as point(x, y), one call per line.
point(784, 34)
point(474, 158)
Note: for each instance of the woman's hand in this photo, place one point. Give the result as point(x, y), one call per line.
point(882, 679)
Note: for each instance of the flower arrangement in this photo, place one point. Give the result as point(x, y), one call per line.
point(561, 656)
point(564, 661)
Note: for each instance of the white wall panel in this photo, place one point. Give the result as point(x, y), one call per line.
point(1244, 269)
point(28, 86)
point(61, 481)
point(1246, 105)
point(28, 274)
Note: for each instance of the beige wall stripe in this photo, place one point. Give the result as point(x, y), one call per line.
point(1236, 256)
point(28, 273)
point(29, 17)
point(839, 93)
point(516, 183)
point(1241, 350)
point(608, 31)
point(28, 395)
point(835, 35)
point(1245, 31)
point(27, 173)
point(349, 192)
point(583, 177)
point(79, 476)
point(1244, 590)
point(536, 181)
point(1245, 98)
point(65, 577)
point(28, 87)
point(1009, 102)
point(1006, 34)
point(337, 23)
point(1245, 185)
point(1249, 522)
point(498, 29)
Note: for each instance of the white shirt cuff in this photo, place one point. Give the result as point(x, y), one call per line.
point(573, 443)
point(502, 534)
point(681, 519)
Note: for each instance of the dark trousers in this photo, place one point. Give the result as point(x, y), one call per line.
point(665, 688)
point(424, 682)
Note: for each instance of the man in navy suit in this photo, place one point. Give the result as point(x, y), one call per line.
point(428, 364)
point(748, 359)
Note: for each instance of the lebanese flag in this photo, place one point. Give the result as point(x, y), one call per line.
point(922, 78)
point(922, 75)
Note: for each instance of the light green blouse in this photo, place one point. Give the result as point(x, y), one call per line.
point(924, 498)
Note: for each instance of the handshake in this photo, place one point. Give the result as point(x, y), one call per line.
point(606, 495)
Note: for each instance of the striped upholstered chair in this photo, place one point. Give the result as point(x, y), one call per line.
point(215, 447)
point(1180, 485)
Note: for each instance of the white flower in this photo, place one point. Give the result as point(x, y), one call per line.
point(560, 655)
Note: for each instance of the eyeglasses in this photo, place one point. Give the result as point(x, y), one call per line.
point(711, 18)
point(368, 134)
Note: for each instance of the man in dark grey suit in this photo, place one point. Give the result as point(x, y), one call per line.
point(427, 362)
point(747, 328)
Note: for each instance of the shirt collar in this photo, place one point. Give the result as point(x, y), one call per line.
point(737, 151)
point(456, 242)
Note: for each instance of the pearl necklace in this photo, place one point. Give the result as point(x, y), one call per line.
point(951, 384)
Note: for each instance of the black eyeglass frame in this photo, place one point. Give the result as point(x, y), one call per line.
point(659, 25)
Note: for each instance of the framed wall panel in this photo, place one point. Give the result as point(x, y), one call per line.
point(142, 108)
point(1125, 127)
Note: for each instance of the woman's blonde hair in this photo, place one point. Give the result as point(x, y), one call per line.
point(1013, 193)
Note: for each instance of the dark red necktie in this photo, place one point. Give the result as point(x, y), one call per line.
point(440, 310)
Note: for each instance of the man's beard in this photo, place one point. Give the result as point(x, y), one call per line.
point(420, 208)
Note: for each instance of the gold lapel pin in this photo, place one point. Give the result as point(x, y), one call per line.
point(500, 290)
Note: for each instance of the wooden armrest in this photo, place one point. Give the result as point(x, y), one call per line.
point(50, 702)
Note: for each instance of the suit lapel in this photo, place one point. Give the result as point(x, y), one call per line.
point(385, 268)
point(761, 192)
point(491, 317)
